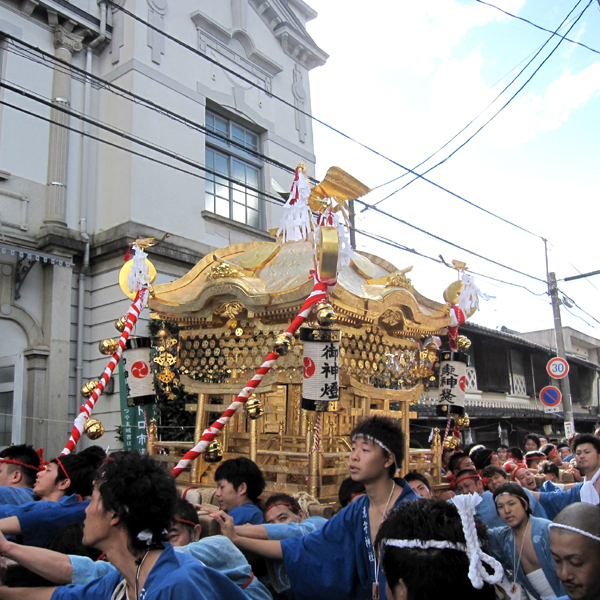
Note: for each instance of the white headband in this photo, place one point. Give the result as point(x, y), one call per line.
point(569, 528)
point(445, 545)
point(370, 437)
point(465, 505)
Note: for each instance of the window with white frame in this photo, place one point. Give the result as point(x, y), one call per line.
point(11, 389)
point(232, 191)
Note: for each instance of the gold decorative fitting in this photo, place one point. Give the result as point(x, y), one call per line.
point(88, 388)
point(108, 346)
point(120, 323)
point(451, 443)
point(393, 317)
point(462, 420)
point(229, 309)
point(254, 407)
point(223, 270)
point(325, 315)
point(282, 344)
point(93, 429)
point(464, 343)
point(162, 333)
point(399, 280)
point(213, 452)
point(166, 376)
point(165, 359)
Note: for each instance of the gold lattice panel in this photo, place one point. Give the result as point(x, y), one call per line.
point(231, 353)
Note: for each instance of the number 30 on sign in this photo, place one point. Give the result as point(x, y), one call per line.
point(557, 368)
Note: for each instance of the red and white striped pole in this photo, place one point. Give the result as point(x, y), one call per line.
point(86, 410)
point(319, 294)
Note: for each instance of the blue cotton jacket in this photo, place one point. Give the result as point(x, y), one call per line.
point(502, 546)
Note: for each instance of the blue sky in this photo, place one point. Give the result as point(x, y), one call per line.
point(405, 77)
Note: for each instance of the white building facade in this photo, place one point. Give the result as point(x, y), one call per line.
point(174, 118)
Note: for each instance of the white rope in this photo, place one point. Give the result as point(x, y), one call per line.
point(574, 529)
point(466, 504)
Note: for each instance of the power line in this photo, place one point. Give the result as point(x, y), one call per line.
point(566, 39)
point(189, 162)
point(502, 107)
point(312, 117)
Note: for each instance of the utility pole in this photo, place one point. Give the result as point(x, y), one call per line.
point(565, 386)
point(560, 347)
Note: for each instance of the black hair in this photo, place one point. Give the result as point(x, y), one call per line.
point(415, 476)
point(546, 467)
point(425, 572)
point(81, 468)
point(516, 452)
point(534, 438)
point(348, 489)
point(534, 455)
point(292, 503)
point(385, 430)
point(185, 510)
point(491, 470)
point(587, 438)
point(562, 445)
point(25, 454)
point(455, 459)
point(514, 489)
point(140, 492)
point(481, 458)
point(547, 449)
point(242, 470)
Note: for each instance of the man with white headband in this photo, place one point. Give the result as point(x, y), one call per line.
point(523, 546)
point(432, 546)
point(338, 562)
point(575, 545)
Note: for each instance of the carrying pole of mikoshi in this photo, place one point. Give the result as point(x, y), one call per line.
point(86, 410)
point(318, 295)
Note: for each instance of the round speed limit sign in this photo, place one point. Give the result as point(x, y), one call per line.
point(557, 368)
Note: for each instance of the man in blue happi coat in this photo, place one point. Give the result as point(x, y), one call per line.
point(338, 562)
point(18, 467)
point(131, 509)
point(216, 552)
point(522, 545)
point(239, 484)
point(61, 487)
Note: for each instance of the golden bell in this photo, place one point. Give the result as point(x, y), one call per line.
point(325, 315)
point(214, 452)
point(88, 388)
point(451, 443)
point(463, 342)
point(282, 344)
point(163, 333)
point(254, 407)
point(93, 429)
point(462, 420)
point(120, 323)
point(108, 346)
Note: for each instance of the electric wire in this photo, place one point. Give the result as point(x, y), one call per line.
point(502, 108)
point(144, 143)
point(533, 55)
point(566, 39)
point(312, 117)
point(270, 198)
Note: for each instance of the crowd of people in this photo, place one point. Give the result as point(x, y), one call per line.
point(508, 523)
